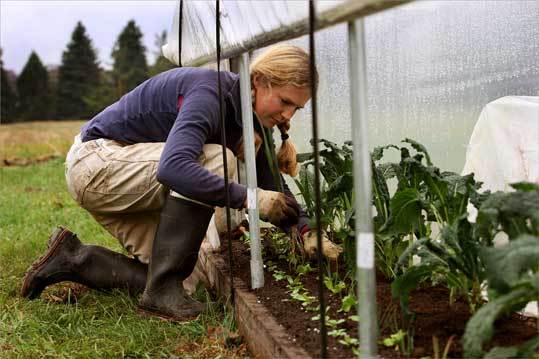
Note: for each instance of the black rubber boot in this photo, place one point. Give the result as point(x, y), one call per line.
point(67, 259)
point(181, 229)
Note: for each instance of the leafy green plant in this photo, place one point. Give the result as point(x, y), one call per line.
point(304, 268)
point(334, 284)
point(401, 341)
point(336, 191)
point(349, 341)
point(425, 194)
point(333, 323)
point(513, 279)
point(303, 297)
point(461, 256)
point(514, 213)
point(279, 275)
point(336, 186)
point(348, 302)
point(452, 258)
point(278, 245)
point(337, 333)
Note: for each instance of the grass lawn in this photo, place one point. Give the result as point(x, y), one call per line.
point(31, 140)
point(70, 321)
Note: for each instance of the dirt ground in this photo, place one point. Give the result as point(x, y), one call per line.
point(436, 323)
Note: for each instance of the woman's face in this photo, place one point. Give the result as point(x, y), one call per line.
point(277, 104)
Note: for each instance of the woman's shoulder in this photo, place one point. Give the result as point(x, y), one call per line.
point(227, 77)
point(192, 79)
point(200, 73)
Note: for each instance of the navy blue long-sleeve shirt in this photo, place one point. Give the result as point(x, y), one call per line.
point(181, 108)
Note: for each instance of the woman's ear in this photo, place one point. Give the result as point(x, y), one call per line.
point(259, 81)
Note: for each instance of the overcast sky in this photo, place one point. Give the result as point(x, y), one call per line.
point(46, 27)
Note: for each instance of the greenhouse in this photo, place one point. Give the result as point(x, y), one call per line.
point(269, 179)
point(419, 159)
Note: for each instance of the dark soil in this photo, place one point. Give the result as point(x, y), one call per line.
point(436, 319)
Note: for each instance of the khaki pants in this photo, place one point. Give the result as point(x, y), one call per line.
point(117, 184)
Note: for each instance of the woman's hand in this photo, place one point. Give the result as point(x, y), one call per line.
point(277, 208)
point(330, 250)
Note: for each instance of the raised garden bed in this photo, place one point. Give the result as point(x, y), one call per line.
point(433, 264)
point(265, 337)
point(436, 319)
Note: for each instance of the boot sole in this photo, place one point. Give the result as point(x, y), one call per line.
point(149, 313)
point(53, 243)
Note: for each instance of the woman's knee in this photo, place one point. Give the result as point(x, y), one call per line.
point(213, 160)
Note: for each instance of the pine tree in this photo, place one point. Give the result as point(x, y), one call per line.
point(9, 98)
point(78, 76)
point(161, 62)
point(130, 67)
point(103, 95)
point(34, 91)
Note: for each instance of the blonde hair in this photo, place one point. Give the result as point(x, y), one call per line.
point(283, 65)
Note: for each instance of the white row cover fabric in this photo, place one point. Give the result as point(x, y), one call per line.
point(504, 146)
point(504, 149)
point(241, 21)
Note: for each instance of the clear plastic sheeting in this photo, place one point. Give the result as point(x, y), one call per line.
point(431, 68)
point(241, 23)
point(431, 65)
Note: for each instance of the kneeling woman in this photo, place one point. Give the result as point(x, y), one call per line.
point(149, 169)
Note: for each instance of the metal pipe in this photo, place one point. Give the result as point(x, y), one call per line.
point(257, 271)
point(366, 279)
point(318, 202)
point(224, 148)
point(343, 12)
point(180, 26)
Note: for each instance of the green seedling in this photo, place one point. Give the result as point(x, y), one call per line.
point(304, 298)
point(334, 284)
point(337, 333)
point(317, 317)
point(304, 268)
point(333, 323)
point(401, 341)
point(349, 341)
point(279, 275)
point(347, 303)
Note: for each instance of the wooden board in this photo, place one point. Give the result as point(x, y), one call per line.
point(265, 338)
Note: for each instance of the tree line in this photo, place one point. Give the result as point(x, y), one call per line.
point(79, 88)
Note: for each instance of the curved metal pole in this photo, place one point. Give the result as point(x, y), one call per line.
point(366, 279)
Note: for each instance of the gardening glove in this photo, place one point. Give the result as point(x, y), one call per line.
point(330, 250)
point(277, 208)
point(236, 217)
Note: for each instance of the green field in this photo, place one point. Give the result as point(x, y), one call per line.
point(70, 321)
point(36, 140)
